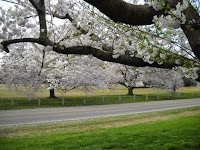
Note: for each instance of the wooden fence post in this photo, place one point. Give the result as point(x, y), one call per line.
point(63, 101)
point(147, 97)
point(103, 99)
point(134, 97)
point(39, 102)
point(120, 98)
point(12, 102)
point(158, 95)
point(177, 95)
point(84, 100)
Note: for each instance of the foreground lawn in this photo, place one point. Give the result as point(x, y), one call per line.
point(164, 130)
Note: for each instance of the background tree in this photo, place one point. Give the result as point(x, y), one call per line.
point(128, 76)
point(132, 77)
point(189, 82)
point(163, 79)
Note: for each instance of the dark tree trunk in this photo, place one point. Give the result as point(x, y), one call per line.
point(130, 91)
point(174, 88)
point(52, 93)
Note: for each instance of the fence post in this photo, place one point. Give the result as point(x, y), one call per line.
point(168, 96)
point(120, 98)
point(158, 97)
point(134, 97)
point(192, 94)
point(84, 100)
point(12, 102)
point(147, 97)
point(39, 102)
point(103, 99)
point(63, 101)
point(177, 95)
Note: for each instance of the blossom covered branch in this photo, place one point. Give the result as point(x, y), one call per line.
point(125, 42)
point(120, 11)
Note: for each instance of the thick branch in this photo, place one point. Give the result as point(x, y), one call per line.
point(122, 83)
point(40, 8)
point(120, 11)
point(88, 50)
point(31, 40)
point(35, 4)
point(192, 29)
point(106, 56)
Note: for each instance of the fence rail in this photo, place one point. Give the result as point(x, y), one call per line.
point(77, 101)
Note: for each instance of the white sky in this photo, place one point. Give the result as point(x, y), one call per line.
point(140, 2)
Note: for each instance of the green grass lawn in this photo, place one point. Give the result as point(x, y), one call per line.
point(98, 97)
point(165, 130)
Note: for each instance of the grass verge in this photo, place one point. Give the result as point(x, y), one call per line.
point(24, 103)
point(98, 97)
point(172, 129)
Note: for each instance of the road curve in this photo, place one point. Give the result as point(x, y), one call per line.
point(42, 115)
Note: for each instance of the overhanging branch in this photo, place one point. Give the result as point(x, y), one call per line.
point(88, 50)
point(22, 40)
point(120, 11)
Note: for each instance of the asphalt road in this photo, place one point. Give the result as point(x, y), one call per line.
point(42, 115)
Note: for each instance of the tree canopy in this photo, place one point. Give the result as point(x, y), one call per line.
point(163, 34)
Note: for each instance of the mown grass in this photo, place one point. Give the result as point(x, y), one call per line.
point(166, 130)
point(115, 90)
point(24, 103)
point(98, 97)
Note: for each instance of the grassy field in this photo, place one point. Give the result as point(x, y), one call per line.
point(165, 130)
point(78, 98)
point(116, 90)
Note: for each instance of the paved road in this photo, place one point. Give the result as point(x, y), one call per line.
point(30, 116)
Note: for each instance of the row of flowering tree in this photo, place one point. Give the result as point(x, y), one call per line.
point(159, 33)
point(27, 75)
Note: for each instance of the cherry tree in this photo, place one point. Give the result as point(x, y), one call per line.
point(25, 74)
point(162, 34)
point(20, 72)
point(85, 73)
point(131, 77)
point(163, 79)
point(128, 76)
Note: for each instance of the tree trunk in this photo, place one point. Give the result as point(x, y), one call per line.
point(174, 88)
point(130, 91)
point(52, 93)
